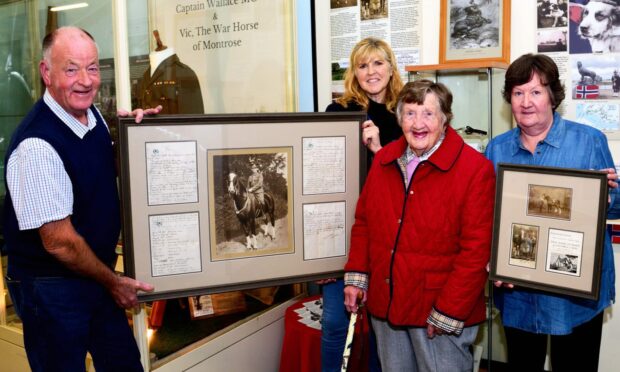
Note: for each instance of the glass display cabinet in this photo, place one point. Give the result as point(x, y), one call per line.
point(480, 112)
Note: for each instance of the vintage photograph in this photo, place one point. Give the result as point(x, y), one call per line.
point(473, 30)
point(524, 245)
point(251, 213)
point(595, 76)
point(552, 13)
point(564, 252)
point(334, 4)
point(207, 306)
point(552, 40)
point(373, 9)
point(593, 26)
point(564, 263)
point(549, 201)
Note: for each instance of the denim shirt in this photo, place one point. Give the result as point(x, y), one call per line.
point(567, 145)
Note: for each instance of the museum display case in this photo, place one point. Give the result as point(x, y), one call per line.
point(479, 111)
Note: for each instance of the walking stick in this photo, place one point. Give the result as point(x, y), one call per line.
point(349, 342)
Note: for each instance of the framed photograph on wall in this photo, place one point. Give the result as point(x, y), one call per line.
point(474, 30)
point(549, 229)
point(217, 203)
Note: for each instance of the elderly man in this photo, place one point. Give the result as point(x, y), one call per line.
point(62, 220)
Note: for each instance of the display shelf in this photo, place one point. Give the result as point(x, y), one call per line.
point(480, 113)
point(459, 66)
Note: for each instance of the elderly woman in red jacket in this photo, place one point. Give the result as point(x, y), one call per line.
point(422, 237)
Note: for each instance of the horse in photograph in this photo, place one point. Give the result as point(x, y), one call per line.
point(599, 24)
point(248, 209)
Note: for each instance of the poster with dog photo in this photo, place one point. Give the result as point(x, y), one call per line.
point(593, 26)
point(595, 76)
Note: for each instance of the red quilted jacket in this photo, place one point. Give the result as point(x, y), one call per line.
point(428, 245)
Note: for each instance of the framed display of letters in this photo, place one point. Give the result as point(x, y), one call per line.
point(549, 229)
point(215, 203)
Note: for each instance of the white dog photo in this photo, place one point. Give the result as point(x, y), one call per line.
point(600, 25)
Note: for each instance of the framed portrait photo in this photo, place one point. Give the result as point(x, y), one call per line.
point(474, 30)
point(549, 229)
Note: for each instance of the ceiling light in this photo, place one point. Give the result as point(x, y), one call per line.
point(68, 7)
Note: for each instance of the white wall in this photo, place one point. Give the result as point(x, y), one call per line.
point(523, 40)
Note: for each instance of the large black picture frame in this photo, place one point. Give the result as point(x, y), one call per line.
point(181, 228)
point(549, 230)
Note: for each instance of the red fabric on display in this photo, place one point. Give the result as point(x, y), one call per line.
point(301, 346)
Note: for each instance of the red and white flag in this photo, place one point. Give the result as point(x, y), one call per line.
point(586, 91)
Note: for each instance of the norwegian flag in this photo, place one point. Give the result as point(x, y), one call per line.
point(615, 233)
point(586, 91)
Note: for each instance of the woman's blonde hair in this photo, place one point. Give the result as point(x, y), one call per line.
point(362, 51)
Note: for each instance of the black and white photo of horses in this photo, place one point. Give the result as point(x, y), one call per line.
point(250, 201)
point(549, 202)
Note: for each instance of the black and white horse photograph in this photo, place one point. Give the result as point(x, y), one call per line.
point(250, 196)
point(549, 202)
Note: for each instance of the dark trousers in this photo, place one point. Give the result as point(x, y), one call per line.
point(578, 351)
point(63, 318)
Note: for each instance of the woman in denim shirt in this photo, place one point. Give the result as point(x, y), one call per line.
point(542, 137)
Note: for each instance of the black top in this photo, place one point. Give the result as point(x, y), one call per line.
point(389, 130)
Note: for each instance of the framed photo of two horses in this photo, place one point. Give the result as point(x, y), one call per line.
point(549, 229)
point(216, 203)
point(474, 31)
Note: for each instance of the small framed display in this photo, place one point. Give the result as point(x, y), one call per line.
point(549, 228)
point(216, 203)
point(207, 306)
point(474, 30)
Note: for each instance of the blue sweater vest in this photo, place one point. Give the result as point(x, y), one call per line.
point(89, 162)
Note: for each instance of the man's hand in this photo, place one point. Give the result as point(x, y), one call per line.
point(139, 113)
point(64, 243)
point(124, 291)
